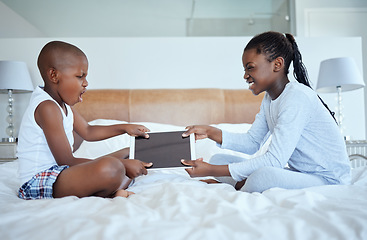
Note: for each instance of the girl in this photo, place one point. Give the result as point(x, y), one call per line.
point(306, 148)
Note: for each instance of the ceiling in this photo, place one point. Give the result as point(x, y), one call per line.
point(112, 18)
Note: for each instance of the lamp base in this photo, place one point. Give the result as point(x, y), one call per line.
point(10, 139)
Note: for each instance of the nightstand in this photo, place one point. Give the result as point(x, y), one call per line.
point(357, 151)
point(356, 147)
point(8, 151)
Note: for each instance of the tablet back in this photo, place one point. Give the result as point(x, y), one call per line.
point(164, 149)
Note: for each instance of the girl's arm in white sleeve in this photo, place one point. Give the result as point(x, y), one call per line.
point(251, 141)
point(291, 121)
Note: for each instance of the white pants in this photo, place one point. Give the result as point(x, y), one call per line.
point(268, 177)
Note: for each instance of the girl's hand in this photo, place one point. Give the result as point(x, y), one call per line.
point(135, 168)
point(201, 131)
point(204, 131)
point(136, 130)
point(199, 167)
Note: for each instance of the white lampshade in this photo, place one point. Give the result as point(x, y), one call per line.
point(15, 76)
point(337, 72)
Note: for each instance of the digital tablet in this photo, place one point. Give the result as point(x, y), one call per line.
point(163, 149)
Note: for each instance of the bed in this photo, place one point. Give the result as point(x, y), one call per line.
point(168, 204)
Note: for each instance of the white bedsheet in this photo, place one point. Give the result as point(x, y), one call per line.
point(170, 205)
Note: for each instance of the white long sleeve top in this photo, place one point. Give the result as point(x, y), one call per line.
point(304, 135)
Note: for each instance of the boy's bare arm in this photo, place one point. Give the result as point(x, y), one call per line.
point(96, 133)
point(49, 118)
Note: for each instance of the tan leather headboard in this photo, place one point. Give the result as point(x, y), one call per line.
point(172, 106)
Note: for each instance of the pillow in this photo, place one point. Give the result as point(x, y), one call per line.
point(205, 148)
point(97, 149)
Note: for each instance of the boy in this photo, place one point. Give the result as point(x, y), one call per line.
point(47, 167)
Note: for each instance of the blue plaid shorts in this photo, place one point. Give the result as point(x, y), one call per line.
point(40, 185)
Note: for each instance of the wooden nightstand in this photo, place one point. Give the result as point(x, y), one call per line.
point(8, 151)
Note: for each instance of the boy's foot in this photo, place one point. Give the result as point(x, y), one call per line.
point(210, 181)
point(123, 193)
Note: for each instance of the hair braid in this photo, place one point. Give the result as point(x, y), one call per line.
point(299, 69)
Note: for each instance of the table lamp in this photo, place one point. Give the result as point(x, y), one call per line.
point(14, 78)
point(337, 75)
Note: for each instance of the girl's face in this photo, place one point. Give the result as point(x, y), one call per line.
point(259, 72)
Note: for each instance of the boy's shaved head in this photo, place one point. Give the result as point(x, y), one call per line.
point(57, 55)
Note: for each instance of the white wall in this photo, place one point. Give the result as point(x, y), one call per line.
point(335, 18)
point(301, 6)
point(13, 25)
point(136, 63)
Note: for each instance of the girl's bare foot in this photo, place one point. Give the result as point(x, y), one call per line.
point(123, 193)
point(210, 181)
point(239, 185)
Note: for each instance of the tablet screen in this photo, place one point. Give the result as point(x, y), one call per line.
point(164, 149)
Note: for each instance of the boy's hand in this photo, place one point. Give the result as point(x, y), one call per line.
point(136, 130)
point(204, 131)
point(135, 168)
point(199, 167)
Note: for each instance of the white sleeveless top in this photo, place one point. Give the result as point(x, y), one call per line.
point(33, 151)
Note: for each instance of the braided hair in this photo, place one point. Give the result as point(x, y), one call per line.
point(275, 44)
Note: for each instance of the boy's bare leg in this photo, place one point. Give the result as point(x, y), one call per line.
point(122, 154)
point(101, 177)
point(121, 192)
point(125, 182)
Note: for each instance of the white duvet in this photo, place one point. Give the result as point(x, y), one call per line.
point(168, 204)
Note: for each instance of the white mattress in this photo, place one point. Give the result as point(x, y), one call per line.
point(170, 205)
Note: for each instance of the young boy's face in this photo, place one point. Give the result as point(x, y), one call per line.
point(72, 80)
